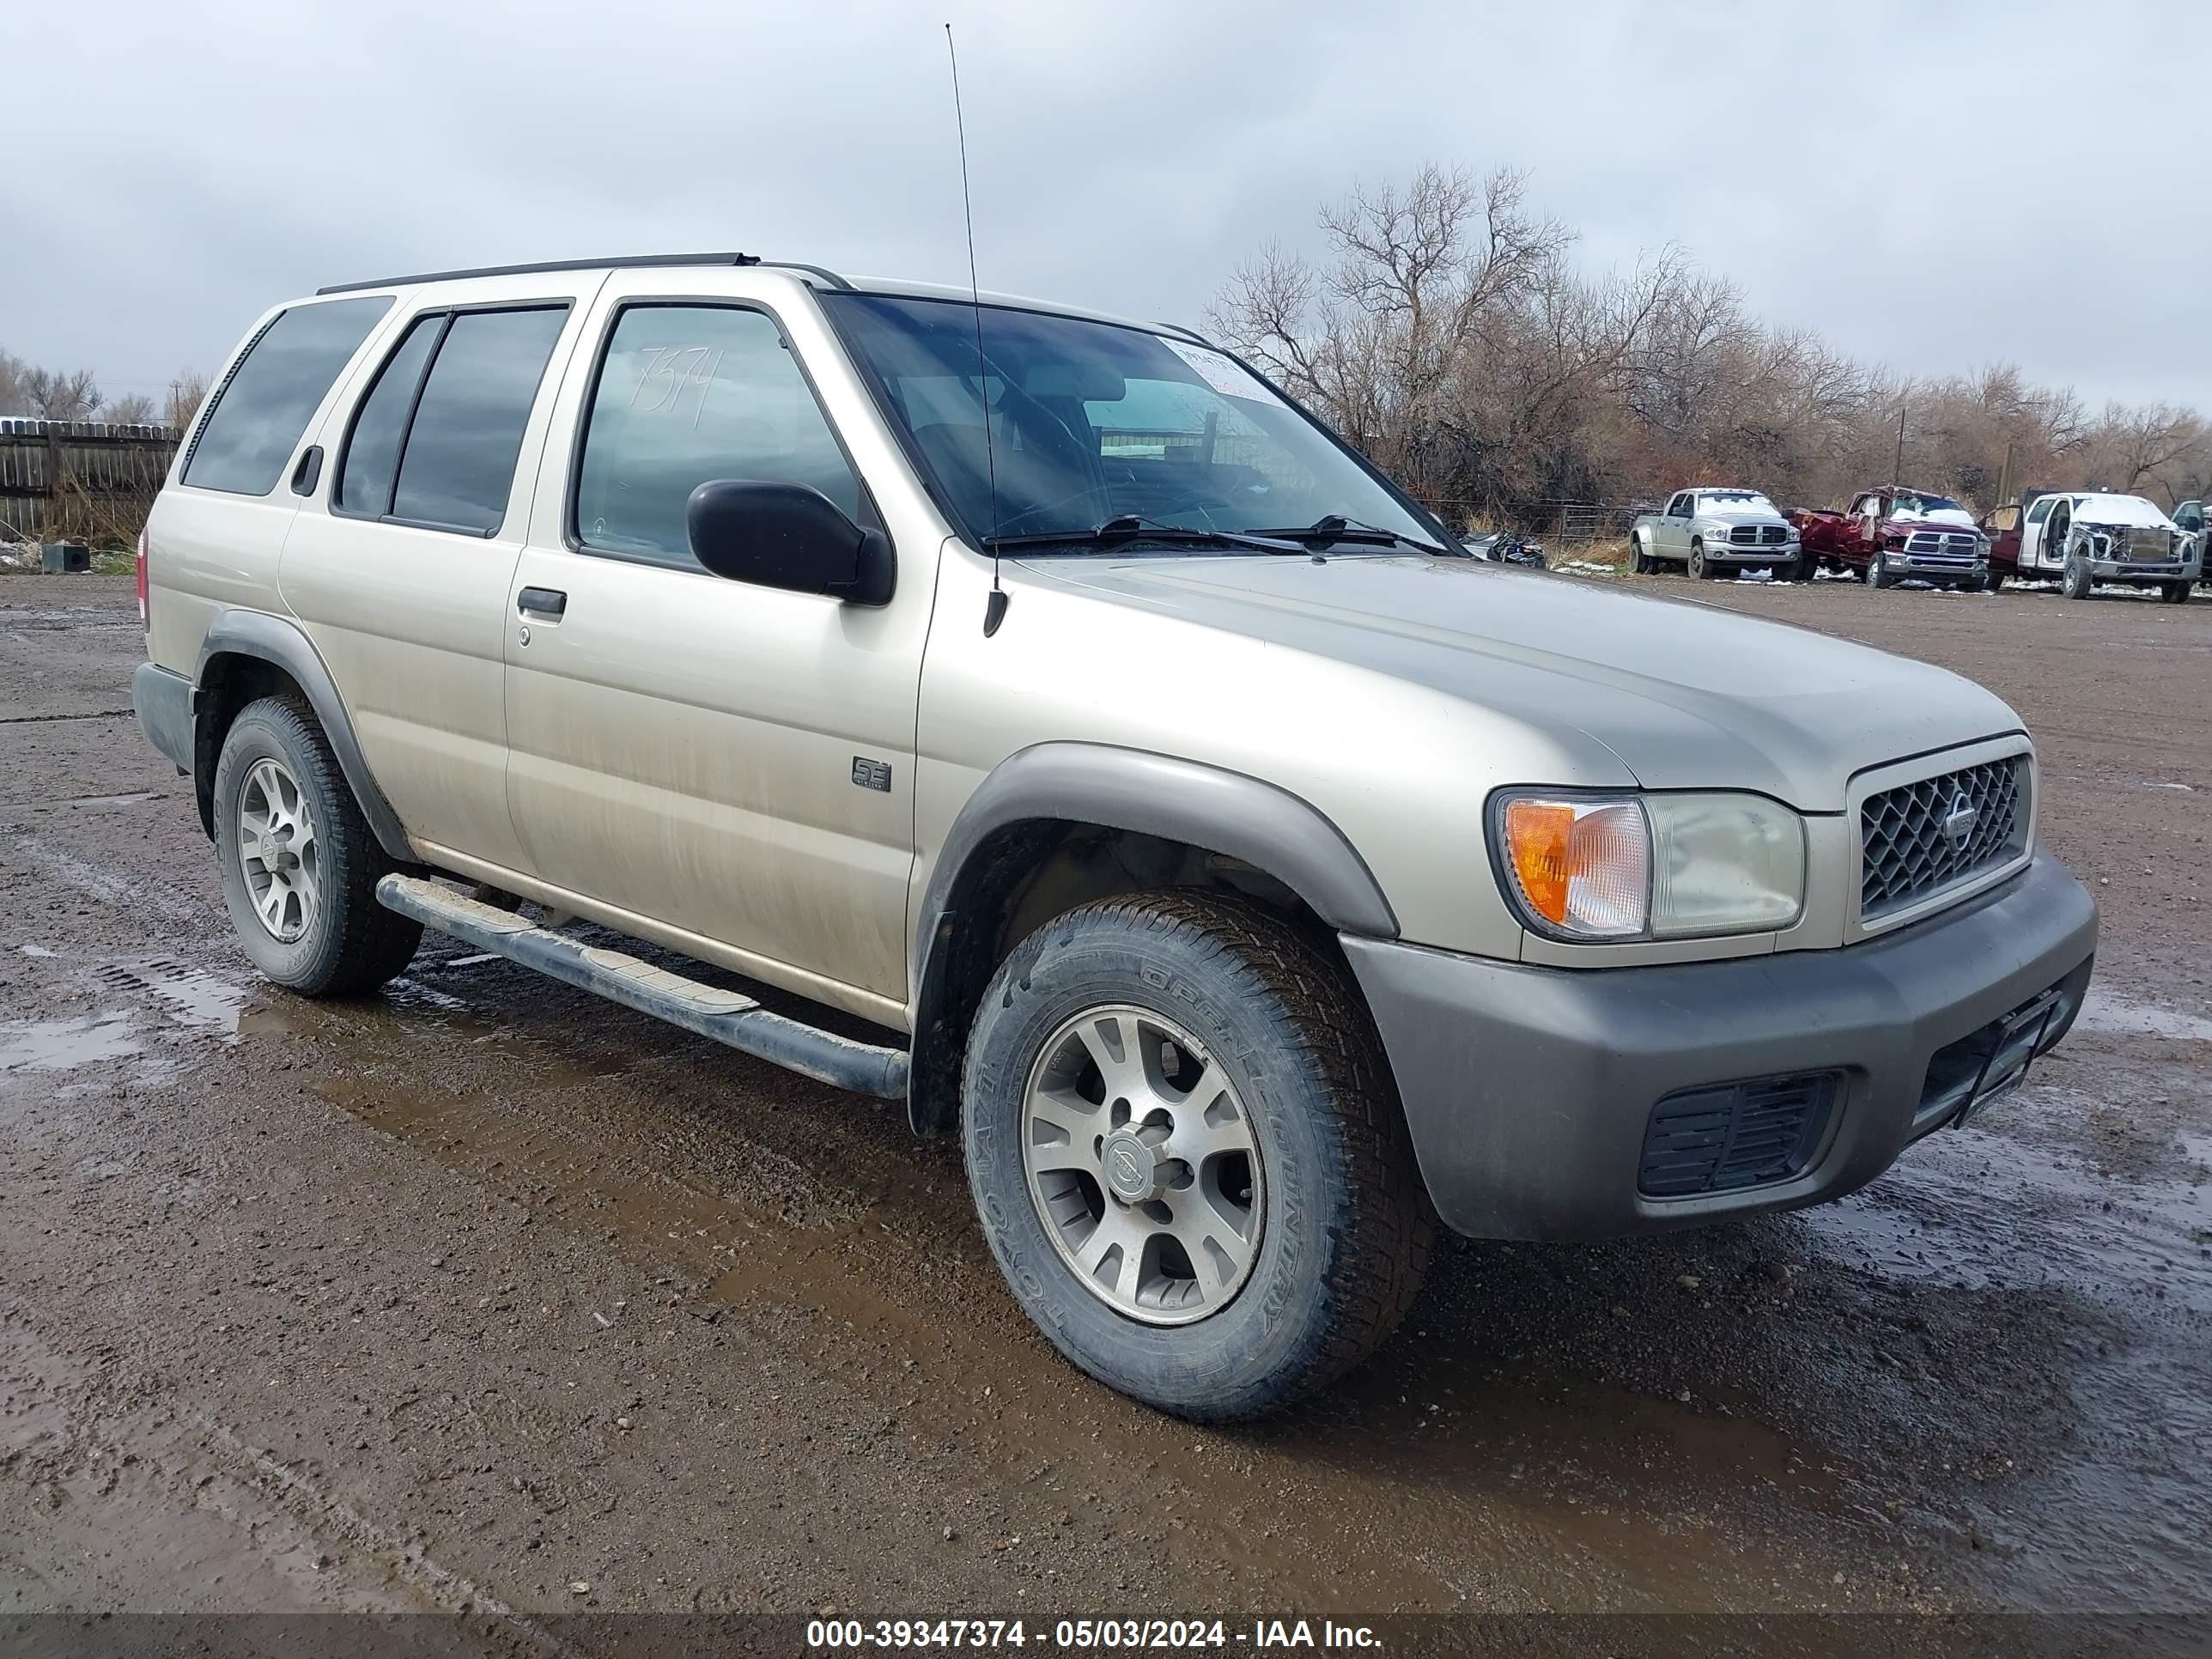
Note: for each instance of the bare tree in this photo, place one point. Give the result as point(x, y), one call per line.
point(15, 398)
point(59, 397)
point(135, 409)
point(2138, 446)
point(1446, 331)
point(187, 391)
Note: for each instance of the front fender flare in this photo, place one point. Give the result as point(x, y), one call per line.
point(1228, 812)
point(282, 642)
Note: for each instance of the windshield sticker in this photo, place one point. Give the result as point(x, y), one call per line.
point(1225, 375)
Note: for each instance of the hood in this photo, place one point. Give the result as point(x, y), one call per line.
point(2121, 511)
point(1683, 695)
point(1955, 517)
point(1741, 515)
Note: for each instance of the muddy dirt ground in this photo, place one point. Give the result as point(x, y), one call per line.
point(485, 1294)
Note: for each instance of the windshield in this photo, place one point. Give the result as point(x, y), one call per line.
point(1092, 422)
point(1910, 506)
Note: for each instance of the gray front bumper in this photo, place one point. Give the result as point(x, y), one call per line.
point(1528, 1091)
point(2120, 570)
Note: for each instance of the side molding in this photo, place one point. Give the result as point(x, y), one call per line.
point(1084, 783)
point(281, 641)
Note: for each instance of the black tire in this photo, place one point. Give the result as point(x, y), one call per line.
point(2075, 583)
point(1347, 1231)
point(1701, 568)
point(2175, 593)
point(1997, 580)
point(1640, 561)
point(350, 943)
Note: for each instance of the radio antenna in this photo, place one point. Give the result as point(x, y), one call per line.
point(995, 608)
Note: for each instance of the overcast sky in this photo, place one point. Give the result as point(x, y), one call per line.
point(1935, 185)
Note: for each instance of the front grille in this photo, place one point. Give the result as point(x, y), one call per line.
point(1773, 535)
point(1936, 543)
point(1745, 535)
point(2148, 546)
point(1909, 853)
point(1757, 535)
point(1736, 1135)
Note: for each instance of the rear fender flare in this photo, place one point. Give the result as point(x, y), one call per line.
point(281, 642)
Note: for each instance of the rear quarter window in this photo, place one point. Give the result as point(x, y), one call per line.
point(262, 409)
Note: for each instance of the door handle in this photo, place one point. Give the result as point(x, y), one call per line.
point(541, 602)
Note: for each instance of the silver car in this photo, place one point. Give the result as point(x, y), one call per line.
point(1252, 881)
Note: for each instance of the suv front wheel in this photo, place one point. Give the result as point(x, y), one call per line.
point(1187, 1154)
point(300, 864)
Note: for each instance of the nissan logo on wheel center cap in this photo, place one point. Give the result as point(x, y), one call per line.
point(1129, 1166)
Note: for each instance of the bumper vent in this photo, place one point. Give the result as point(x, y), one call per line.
point(1736, 1135)
point(1921, 837)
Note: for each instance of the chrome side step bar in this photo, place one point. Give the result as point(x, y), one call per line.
point(726, 1016)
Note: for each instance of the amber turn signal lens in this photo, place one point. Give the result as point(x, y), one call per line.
point(1537, 837)
point(1582, 867)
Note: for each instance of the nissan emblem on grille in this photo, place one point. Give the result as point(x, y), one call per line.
point(1960, 818)
point(1920, 838)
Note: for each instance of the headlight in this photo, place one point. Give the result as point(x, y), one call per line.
point(1612, 867)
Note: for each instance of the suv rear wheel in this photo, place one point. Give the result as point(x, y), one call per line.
point(300, 864)
point(1187, 1154)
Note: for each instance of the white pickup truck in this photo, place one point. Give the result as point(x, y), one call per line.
point(2092, 537)
point(1716, 531)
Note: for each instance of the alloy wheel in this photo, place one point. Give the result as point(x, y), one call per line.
point(277, 850)
point(1144, 1166)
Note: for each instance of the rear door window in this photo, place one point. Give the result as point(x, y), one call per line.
point(261, 412)
point(435, 442)
point(371, 455)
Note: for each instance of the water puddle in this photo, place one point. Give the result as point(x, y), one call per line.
point(63, 1045)
point(133, 798)
point(1986, 1211)
point(812, 1213)
point(2102, 1011)
point(2118, 1519)
point(189, 996)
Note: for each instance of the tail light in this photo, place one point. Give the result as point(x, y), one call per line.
point(142, 579)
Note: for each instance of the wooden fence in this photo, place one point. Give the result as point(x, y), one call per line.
point(80, 480)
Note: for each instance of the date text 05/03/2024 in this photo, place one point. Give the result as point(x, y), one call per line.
point(1087, 1634)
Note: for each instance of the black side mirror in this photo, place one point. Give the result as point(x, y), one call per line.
point(789, 536)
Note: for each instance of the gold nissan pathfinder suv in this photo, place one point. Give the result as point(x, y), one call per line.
point(1250, 878)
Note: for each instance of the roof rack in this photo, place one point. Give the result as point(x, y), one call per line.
point(630, 262)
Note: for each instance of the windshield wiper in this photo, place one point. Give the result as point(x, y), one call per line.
point(1129, 527)
point(1335, 528)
